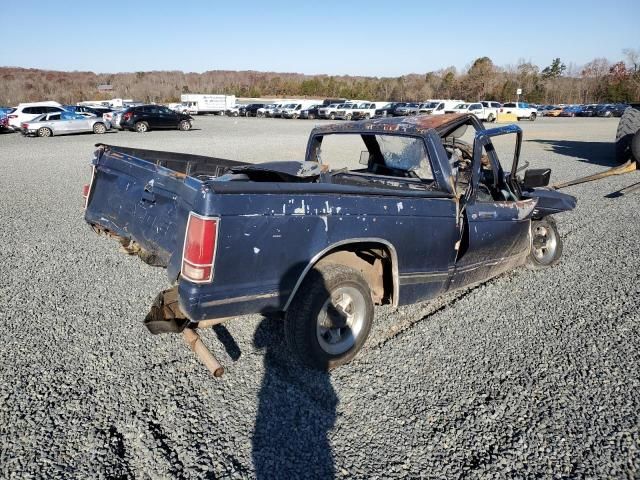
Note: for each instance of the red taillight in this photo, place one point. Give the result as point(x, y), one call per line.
point(127, 116)
point(199, 250)
point(24, 126)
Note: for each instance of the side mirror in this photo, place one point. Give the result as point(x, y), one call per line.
point(538, 177)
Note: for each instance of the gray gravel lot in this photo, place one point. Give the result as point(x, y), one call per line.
point(533, 374)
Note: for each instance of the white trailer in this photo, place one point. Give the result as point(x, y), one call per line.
point(198, 103)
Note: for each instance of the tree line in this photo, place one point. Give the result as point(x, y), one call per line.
point(598, 81)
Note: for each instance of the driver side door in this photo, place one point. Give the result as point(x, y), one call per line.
point(496, 234)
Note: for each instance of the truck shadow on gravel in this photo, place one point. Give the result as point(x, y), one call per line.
point(296, 410)
point(596, 153)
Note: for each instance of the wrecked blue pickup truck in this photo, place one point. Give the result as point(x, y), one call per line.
point(394, 211)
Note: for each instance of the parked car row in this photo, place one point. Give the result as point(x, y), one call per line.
point(592, 110)
point(46, 119)
point(343, 109)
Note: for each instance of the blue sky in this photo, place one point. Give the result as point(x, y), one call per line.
point(336, 37)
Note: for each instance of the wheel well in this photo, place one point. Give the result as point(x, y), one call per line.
point(374, 261)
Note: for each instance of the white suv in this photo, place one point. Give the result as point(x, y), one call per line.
point(28, 111)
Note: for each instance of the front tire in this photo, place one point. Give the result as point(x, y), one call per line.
point(332, 116)
point(491, 118)
point(184, 125)
point(45, 132)
point(546, 248)
point(330, 317)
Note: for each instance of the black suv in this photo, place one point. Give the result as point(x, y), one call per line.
point(148, 117)
point(389, 109)
point(250, 110)
point(310, 113)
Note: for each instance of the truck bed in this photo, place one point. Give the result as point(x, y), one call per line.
point(191, 165)
point(143, 198)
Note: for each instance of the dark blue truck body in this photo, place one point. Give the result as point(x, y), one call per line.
point(271, 233)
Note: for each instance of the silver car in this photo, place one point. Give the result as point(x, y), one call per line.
point(49, 124)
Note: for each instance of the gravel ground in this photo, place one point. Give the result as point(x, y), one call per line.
point(533, 374)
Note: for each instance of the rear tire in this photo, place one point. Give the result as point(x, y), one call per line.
point(330, 317)
point(45, 132)
point(311, 116)
point(99, 128)
point(141, 127)
point(547, 244)
point(491, 118)
point(332, 116)
point(628, 127)
point(532, 117)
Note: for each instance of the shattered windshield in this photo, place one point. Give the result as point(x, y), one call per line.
point(405, 153)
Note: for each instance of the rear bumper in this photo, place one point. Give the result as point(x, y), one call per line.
point(198, 305)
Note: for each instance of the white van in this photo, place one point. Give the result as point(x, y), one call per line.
point(437, 107)
point(28, 111)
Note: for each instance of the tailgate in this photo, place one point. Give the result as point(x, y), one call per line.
point(143, 197)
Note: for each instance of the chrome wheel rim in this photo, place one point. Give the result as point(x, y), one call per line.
point(545, 243)
point(142, 127)
point(45, 132)
point(341, 320)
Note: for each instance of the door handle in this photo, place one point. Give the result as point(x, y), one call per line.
point(487, 214)
point(147, 194)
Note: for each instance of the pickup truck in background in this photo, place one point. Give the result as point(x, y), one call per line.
point(364, 111)
point(521, 110)
point(479, 109)
point(345, 112)
point(423, 206)
point(330, 110)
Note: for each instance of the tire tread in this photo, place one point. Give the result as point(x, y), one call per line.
point(302, 309)
point(627, 127)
